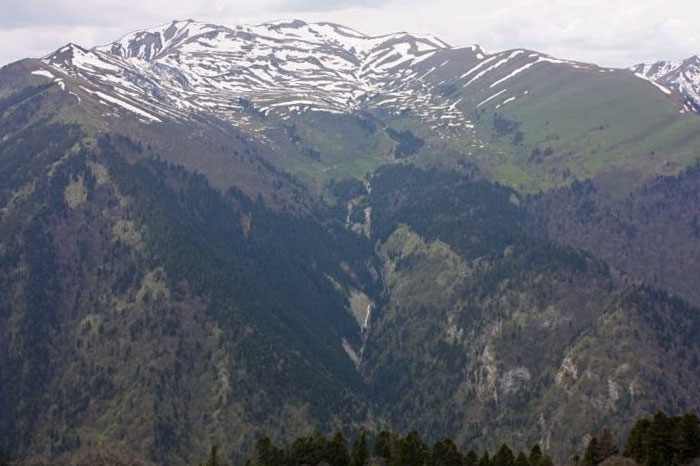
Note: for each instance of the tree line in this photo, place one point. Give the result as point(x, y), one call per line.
point(382, 449)
point(657, 441)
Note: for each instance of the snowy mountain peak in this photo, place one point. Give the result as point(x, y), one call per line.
point(681, 76)
point(192, 67)
point(245, 73)
point(150, 44)
point(147, 44)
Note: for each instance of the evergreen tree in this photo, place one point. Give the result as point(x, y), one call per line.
point(659, 438)
point(664, 440)
point(382, 446)
point(600, 448)
point(413, 451)
point(521, 460)
point(214, 457)
point(485, 459)
point(266, 454)
point(309, 450)
point(535, 455)
point(504, 456)
point(471, 458)
point(636, 446)
point(360, 453)
point(590, 457)
point(445, 453)
point(686, 443)
point(337, 451)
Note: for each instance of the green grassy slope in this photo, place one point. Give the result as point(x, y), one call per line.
point(590, 123)
point(568, 121)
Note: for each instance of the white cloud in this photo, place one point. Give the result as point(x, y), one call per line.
point(328, 5)
point(610, 32)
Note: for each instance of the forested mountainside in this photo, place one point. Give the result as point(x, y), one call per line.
point(489, 325)
point(652, 234)
point(496, 248)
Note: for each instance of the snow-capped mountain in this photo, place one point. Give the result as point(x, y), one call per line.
point(242, 73)
point(682, 76)
point(187, 66)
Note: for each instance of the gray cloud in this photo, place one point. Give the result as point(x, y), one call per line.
point(610, 32)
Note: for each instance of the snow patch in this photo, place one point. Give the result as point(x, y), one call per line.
point(494, 66)
point(488, 99)
point(663, 89)
point(352, 354)
point(516, 72)
point(43, 73)
point(505, 102)
point(124, 105)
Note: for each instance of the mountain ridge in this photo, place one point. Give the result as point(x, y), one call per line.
point(341, 56)
point(278, 77)
point(682, 76)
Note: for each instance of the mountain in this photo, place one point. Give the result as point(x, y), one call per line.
point(489, 333)
point(211, 233)
point(399, 95)
point(189, 67)
point(682, 77)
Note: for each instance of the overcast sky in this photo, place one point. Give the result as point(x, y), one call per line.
point(608, 32)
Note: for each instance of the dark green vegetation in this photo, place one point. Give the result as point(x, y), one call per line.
point(170, 286)
point(652, 234)
point(408, 143)
point(487, 329)
point(171, 265)
point(386, 448)
point(664, 440)
point(658, 441)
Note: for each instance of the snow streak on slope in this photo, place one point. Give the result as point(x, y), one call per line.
point(246, 74)
point(187, 67)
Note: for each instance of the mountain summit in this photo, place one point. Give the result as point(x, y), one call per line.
point(188, 66)
point(185, 67)
point(682, 76)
